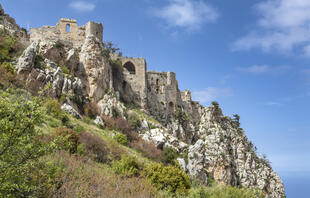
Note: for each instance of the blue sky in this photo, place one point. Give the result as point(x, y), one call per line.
point(251, 56)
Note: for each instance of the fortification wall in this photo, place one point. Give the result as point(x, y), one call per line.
point(134, 80)
point(163, 94)
point(67, 30)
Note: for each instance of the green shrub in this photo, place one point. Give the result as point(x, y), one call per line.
point(8, 67)
point(224, 192)
point(59, 44)
point(182, 117)
point(66, 121)
point(169, 178)
point(39, 62)
point(170, 155)
point(127, 166)
point(121, 138)
point(65, 70)
point(134, 120)
point(53, 108)
point(78, 128)
point(66, 139)
point(20, 146)
point(63, 98)
point(9, 47)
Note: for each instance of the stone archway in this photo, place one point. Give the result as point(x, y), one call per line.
point(130, 67)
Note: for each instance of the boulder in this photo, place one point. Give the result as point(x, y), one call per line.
point(98, 121)
point(69, 109)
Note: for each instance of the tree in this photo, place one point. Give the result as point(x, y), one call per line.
point(19, 144)
point(237, 119)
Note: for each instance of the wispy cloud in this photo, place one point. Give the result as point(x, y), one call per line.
point(188, 14)
point(273, 103)
point(82, 6)
point(285, 100)
point(212, 94)
point(283, 26)
point(263, 69)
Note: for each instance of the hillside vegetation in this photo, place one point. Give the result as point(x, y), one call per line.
point(48, 153)
point(45, 152)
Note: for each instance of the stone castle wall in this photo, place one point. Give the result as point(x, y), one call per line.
point(134, 79)
point(69, 31)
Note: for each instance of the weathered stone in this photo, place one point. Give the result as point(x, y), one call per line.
point(99, 122)
point(26, 61)
point(68, 108)
point(97, 68)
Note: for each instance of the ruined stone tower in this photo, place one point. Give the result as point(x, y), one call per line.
point(68, 30)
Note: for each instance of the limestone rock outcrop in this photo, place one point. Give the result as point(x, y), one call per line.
point(98, 70)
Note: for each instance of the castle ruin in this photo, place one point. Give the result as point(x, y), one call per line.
point(67, 30)
point(156, 91)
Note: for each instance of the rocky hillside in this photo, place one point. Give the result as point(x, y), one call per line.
point(91, 79)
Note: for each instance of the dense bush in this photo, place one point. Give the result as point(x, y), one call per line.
point(39, 62)
point(67, 139)
point(121, 125)
point(169, 178)
point(72, 176)
point(148, 149)
point(9, 47)
point(7, 78)
point(121, 138)
point(95, 146)
point(9, 67)
point(134, 120)
point(169, 155)
point(91, 110)
point(19, 146)
point(127, 166)
point(224, 192)
point(116, 150)
point(53, 108)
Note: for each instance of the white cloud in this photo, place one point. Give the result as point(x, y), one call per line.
point(189, 14)
point(82, 6)
point(262, 69)
point(212, 94)
point(272, 103)
point(283, 25)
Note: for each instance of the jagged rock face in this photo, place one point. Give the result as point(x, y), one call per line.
point(37, 78)
point(51, 50)
point(221, 152)
point(110, 106)
point(98, 70)
point(224, 153)
point(69, 109)
point(26, 61)
point(8, 23)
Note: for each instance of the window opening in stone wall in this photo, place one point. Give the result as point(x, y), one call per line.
point(130, 67)
point(67, 28)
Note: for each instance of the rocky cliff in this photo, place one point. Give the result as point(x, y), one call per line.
point(214, 146)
